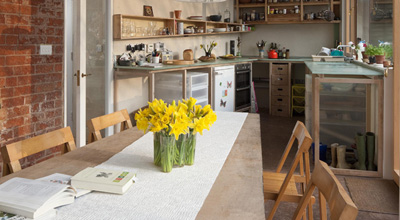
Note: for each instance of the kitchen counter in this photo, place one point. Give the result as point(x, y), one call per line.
point(291, 59)
point(218, 62)
point(342, 68)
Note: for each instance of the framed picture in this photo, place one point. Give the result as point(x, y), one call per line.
point(148, 10)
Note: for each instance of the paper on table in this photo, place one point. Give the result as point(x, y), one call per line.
point(64, 179)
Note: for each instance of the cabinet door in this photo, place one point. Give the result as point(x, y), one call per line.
point(224, 96)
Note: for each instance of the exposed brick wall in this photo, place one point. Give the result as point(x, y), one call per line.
point(31, 85)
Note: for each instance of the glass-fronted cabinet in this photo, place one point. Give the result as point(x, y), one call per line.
point(345, 117)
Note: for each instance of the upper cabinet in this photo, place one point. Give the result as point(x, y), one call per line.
point(287, 11)
point(144, 27)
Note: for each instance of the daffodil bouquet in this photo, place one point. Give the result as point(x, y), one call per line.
point(208, 48)
point(174, 122)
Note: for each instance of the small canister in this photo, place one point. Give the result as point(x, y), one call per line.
point(180, 27)
point(284, 11)
point(272, 11)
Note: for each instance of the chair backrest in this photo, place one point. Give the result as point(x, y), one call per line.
point(11, 153)
point(95, 125)
point(304, 140)
point(340, 204)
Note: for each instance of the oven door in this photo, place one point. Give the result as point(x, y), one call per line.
point(243, 79)
point(243, 96)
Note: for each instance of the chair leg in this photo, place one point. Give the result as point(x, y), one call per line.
point(322, 206)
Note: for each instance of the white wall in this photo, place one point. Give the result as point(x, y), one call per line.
point(301, 39)
point(131, 93)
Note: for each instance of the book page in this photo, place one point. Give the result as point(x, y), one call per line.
point(64, 179)
point(27, 194)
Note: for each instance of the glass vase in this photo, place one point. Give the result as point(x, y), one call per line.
point(180, 150)
point(167, 152)
point(157, 152)
point(190, 148)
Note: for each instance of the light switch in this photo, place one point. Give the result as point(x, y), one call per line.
point(46, 49)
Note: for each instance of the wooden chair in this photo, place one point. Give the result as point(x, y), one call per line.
point(340, 204)
point(13, 152)
point(282, 186)
point(97, 124)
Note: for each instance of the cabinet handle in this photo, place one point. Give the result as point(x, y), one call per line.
point(280, 68)
point(280, 89)
point(280, 100)
point(280, 79)
point(279, 110)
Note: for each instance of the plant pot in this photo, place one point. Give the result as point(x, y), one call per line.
point(372, 59)
point(379, 59)
point(365, 56)
point(386, 63)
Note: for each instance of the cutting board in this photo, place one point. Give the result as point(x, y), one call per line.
point(178, 62)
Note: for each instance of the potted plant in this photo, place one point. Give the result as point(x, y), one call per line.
point(370, 52)
point(388, 54)
point(379, 54)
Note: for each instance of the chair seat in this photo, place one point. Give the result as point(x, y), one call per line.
point(273, 182)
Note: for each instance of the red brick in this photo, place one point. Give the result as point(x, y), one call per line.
point(17, 60)
point(3, 114)
point(47, 105)
point(44, 125)
point(24, 80)
point(58, 103)
point(2, 82)
point(53, 95)
point(9, 8)
point(7, 50)
point(12, 19)
point(17, 111)
point(54, 40)
point(25, 49)
point(3, 59)
point(45, 88)
point(6, 93)
point(6, 135)
point(45, 68)
point(14, 122)
point(2, 19)
point(57, 67)
point(28, 10)
point(24, 130)
point(12, 102)
point(44, 158)
point(23, 90)
point(35, 108)
point(11, 81)
point(58, 122)
point(23, 70)
point(24, 29)
point(11, 39)
point(38, 117)
point(56, 22)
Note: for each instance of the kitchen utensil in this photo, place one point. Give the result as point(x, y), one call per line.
point(324, 52)
point(272, 54)
point(188, 54)
point(180, 28)
point(178, 14)
point(188, 31)
point(178, 62)
point(215, 17)
point(219, 29)
point(196, 17)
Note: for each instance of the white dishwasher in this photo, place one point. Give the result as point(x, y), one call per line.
point(224, 88)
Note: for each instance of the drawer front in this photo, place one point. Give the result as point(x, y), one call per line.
point(280, 110)
point(279, 80)
point(280, 100)
point(279, 90)
point(280, 69)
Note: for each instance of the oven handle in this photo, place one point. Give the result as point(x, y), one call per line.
point(244, 88)
point(243, 72)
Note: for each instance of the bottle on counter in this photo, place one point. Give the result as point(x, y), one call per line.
point(287, 53)
point(284, 53)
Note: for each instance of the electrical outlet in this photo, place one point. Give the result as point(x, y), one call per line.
point(150, 48)
point(46, 49)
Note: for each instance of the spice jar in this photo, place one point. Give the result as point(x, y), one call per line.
point(296, 9)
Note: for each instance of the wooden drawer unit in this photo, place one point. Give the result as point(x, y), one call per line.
point(280, 69)
point(279, 100)
point(279, 90)
point(280, 80)
point(280, 110)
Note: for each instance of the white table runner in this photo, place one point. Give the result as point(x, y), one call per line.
point(176, 195)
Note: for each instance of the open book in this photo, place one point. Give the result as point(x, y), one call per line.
point(63, 179)
point(33, 198)
point(112, 181)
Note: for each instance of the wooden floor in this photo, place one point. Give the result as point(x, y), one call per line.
point(275, 133)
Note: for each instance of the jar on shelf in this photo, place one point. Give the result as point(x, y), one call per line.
point(296, 9)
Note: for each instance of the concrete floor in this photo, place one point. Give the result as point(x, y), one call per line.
point(275, 133)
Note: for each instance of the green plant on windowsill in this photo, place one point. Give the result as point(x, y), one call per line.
point(388, 51)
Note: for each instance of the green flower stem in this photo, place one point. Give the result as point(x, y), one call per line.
point(157, 152)
point(180, 150)
point(190, 149)
point(167, 148)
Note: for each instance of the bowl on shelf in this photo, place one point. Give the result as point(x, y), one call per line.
point(215, 17)
point(210, 30)
point(219, 29)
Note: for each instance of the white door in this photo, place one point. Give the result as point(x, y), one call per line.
point(79, 71)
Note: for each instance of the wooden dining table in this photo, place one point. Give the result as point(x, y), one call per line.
point(237, 193)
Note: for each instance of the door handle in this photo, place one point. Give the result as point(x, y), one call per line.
point(217, 73)
point(84, 74)
point(78, 80)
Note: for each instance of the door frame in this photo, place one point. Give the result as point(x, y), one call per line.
point(70, 80)
point(396, 91)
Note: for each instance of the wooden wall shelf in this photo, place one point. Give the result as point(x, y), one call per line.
point(143, 22)
point(287, 18)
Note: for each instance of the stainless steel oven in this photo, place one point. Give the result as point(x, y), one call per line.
point(243, 87)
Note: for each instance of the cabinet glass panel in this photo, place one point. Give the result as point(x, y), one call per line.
point(348, 110)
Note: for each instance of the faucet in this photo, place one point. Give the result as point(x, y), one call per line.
point(348, 56)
